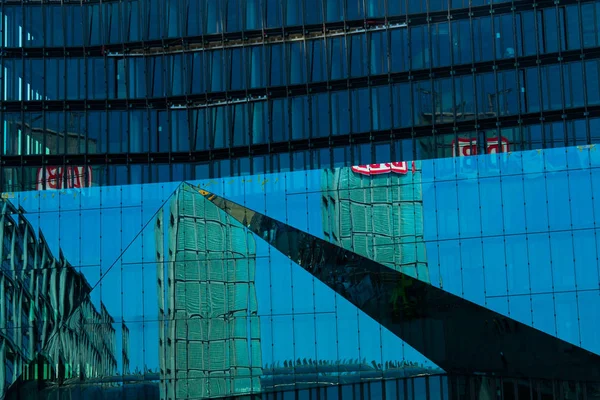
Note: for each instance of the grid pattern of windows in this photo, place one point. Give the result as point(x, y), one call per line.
point(271, 85)
point(277, 282)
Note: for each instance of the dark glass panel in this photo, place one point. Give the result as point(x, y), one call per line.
point(589, 24)
point(340, 113)
point(402, 105)
point(273, 13)
point(334, 10)
point(317, 66)
point(507, 95)
point(441, 45)
point(233, 15)
point(292, 11)
point(320, 114)
point(97, 132)
point(358, 55)
point(180, 135)
point(258, 114)
point(34, 79)
point(55, 78)
point(54, 32)
point(55, 132)
point(355, 9)
point(193, 17)
point(118, 132)
point(176, 76)
point(253, 14)
point(199, 129)
point(337, 63)
point(93, 34)
point(154, 11)
point(299, 113)
point(573, 83)
point(219, 130)
point(12, 128)
point(132, 21)
point(75, 70)
point(396, 8)
point(276, 65)
point(239, 124)
point(552, 30)
point(361, 107)
point(505, 37)
point(425, 100)
point(417, 6)
point(197, 78)
point(255, 71)
point(532, 90)
point(235, 76)
point(155, 76)
point(528, 25)
point(96, 79)
point(419, 47)
point(159, 131)
point(113, 23)
point(12, 33)
point(76, 140)
point(399, 50)
point(573, 27)
point(136, 77)
point(483, 39)
point(378, 52)
point(313, 11)
point(551, 87)
point(592, 82)
point(296, 61)
point(279, 117)
point(382, 108)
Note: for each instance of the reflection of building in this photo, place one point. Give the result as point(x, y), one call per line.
point(210, 333)
point(45, 309)
point(31, 137)
point(31, 134)
point(378, 216)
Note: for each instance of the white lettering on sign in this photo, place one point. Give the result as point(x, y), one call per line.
point(64, 178)
point(376, 169)
point(468, 147)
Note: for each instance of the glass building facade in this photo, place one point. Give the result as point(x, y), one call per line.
point(142, 91)
point(464, 277)
point(299, 199)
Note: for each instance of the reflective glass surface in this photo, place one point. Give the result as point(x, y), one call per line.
point(224, 287)
point(211, 89)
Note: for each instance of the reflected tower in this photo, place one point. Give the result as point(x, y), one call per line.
point(376, 211)
point(210, 332)
point(50, 330)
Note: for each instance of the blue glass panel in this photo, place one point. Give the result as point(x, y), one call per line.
point(540, 264)
point(447, 209)
point(472, 272)
point(468, 208)
point(494, 260)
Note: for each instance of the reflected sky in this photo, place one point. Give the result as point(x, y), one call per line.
point(535, 234)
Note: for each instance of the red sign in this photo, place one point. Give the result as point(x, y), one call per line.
point(377, 169)
point(64, 178)
point(468, 147)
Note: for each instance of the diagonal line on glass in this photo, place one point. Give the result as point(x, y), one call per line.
point(454, 333)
